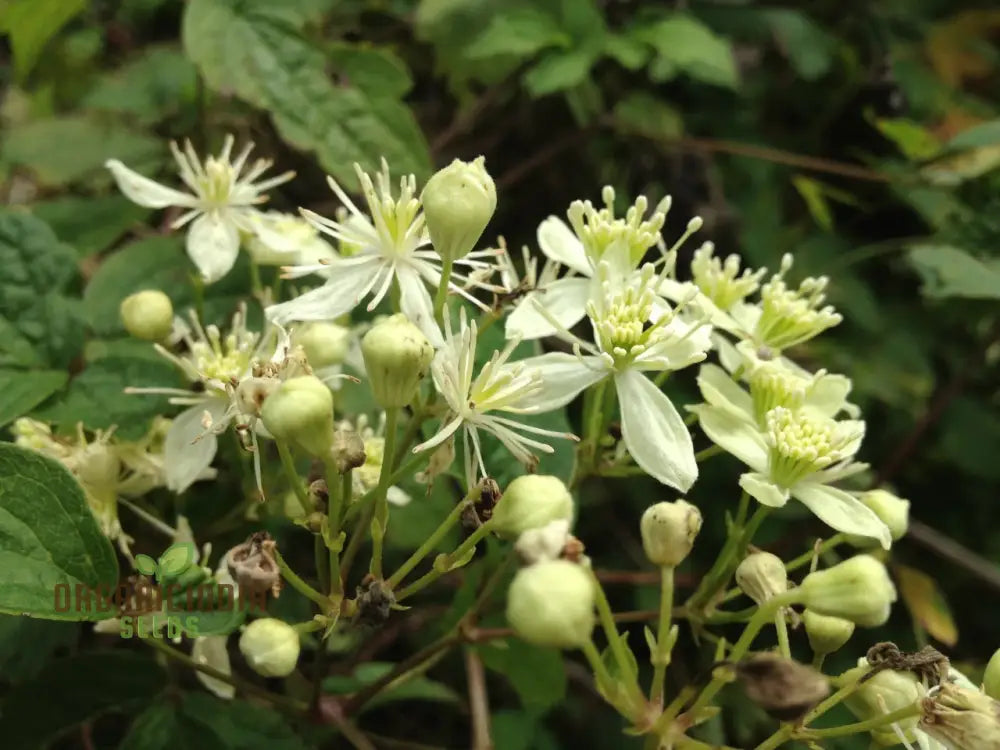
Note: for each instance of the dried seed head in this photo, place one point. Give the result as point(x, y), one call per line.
point(253, 567)
point(784, 688)
point(375, 601)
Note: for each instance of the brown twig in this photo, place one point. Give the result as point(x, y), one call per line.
point(954, 552)
point(479, 702)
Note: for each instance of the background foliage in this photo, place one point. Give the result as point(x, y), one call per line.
point(859, 136)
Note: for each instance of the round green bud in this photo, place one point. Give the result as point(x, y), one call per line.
point(962, 719)
point(991, 677)
point(252, 392)
point(271, 647)
point(893, 511)
point(551, 603)
point(858, 589)
point(397, 356)
point(826, 634)
point(762, 576)
point(148, 315)
point(530, 502)
point(458, 202)
point(884, 692)
point(300, 413)
point(668, 532)
point(324, 343)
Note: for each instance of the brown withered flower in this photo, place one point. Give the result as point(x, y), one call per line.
point(252, 565)
point(784, 688)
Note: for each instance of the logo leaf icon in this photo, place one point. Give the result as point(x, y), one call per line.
point(176, 559)
point(145, 564)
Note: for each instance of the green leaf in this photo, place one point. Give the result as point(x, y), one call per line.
point(63, 150)
point(984, 134)
point(807, 45)
point(150, 88)
point(685, 45)
point(15, 349)
point(204, 722)
point(376, 71)
point(48, 538)
point(145, 565)
point(519, 32)
point(536, 674)
point(257, 52)
point(647, 115)
point(950, 272)
point(31, 24)
point(20, 392)
point(418, 688)
point(559, 70)
point(152, 263)
point(72, 690)
point(176, 559)
point(91, 224)
point(27, 643)
point(911, 138)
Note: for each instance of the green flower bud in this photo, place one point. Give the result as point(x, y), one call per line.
point(762, 576)
point(857, 589)
point(252, 392)
point(883, 693)
point(271, 647)
point(458, 202)
point(991, 678)
point(397, 356)
point(324, 343)
point(826, 634)
point(148, 315)
point(551, 603)
point(668, 532)
point(530, 502)
point(962, 719)
point(893, 511)
point(300, 412)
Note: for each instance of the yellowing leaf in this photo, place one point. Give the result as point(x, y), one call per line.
point(926, 603)
point(957, 47)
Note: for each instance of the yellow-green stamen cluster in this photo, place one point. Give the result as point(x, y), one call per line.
point(801, 445)
point(599, 228)
point(214, 357)
point(397, 221)
point(721, 280)
point(792, 316)
point(773, 384)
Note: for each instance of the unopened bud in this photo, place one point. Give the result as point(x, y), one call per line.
point(271, 647)
point(826, 634)
point(668, 532)
point(458, 202)
point(148, 315)
point(348, 450)
point(397, 356)
point(962, 719)
point(882, 693)
point(324, 343)
point(858, 589)
point(551, 603)
point(544, 543)
point(530, 502)
point(300, 412)
point(252, 392)
point(762, 576)
point(893, 511)
point(991, 677)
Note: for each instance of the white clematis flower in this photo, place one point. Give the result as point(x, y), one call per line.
point(634, 332)
point(220, 205)
point(581, 249)
point(797, 454)
point(474, 401)
point(280, 239)
point(388, 245)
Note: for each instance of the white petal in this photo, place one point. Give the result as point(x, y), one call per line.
point(654, 433)
point(681, 348)
point(416, 304)
point(558, 242)
point(733, 435)
point(829, 395)
point(563, 377)
point(842, 511)
point(565, 300)
point(339, 295)
point(213, 244)
point(211, 650)
point(729, 356)
point(763, 490)
point(719, 389)
point(398, 497)
point(188, 449)
point(147, 192)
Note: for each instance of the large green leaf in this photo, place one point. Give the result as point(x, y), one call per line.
point(151, 87)
point(31, 24)
point(91, 224)
point(26, 643)
point(21, 392)
point(950, 272)
point(48, 538)
point(257, 52)
point(685, 45)
point(70, 691)
point(536, 674)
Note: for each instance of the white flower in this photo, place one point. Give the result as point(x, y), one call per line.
point(388, 245)
point(635, 331)
point(797, 454)
point(594, 233)
point(219, 206)
point(279, 239)
point(499, 387)
point(211, 650)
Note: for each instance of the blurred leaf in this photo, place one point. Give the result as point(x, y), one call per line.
point(924, 598)
point(15, 349)
point(376, 71)
point(520, 730)
point(647, 115)
point(812, 193)
point(968, 165)
point(153, 263)
point(256, 51)
point(31, 24)
point(685, 45)
point(20, 392)
point(27, 643)
point(536, 674)
point(985, 134)
point(629, 52)
point(92, 224)
point(968, 432)
point(807, 45)
point(559, 70)
point(950, 272)
point(912, 139)
point(519, 31)
point(48, 538)
point(418, 688)
point(73, 148)
point(149, 88)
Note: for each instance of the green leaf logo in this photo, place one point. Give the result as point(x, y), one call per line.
point(145, 564)
point(176, 560)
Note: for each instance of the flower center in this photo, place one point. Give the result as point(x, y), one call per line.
point(217, 185)
point(802, 445)
point(792, 316)
point(397, 220)
point(598, 229)
point(721, 281)
point(772, 385)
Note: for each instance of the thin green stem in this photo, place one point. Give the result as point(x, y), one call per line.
point(336, 486)
point(441, 296)
point(288, 464)
point(706, 453)
point(607, 620)
point(662, 656)
point(357, 538)
point(603, 677)
point(817, 661)
point(403, 471)
point(724, 565)
point(322, 565)
point(874, 723)
point(446, 564)
point(299, 585)
point(380, 521)
point(255, 284)
point(782, 628)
